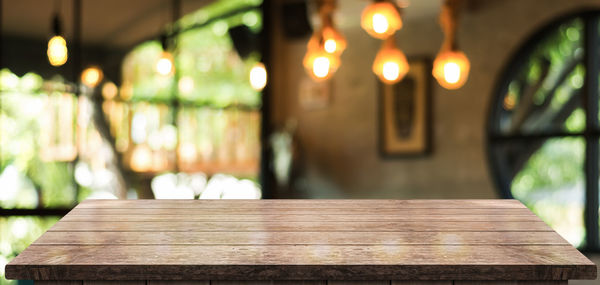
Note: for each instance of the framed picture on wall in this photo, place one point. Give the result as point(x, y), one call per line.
point(405, 113)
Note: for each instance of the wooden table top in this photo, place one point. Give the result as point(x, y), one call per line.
point(300, 239)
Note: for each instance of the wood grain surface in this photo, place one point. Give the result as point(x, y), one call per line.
point(301, 240)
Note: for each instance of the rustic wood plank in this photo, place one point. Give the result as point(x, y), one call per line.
point(510, 282)
point(301, 254)
point(194, 282)
point(58, 282)
point(274, 226)
point(299, 218)
point(304, 203)
point(299, 238)
point(349, 282)
point(421, 282)
point(105, 282)
point(267, 282)
point(420, 241)
point(297, 211)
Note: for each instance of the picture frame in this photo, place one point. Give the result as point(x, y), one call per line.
point(405, 116)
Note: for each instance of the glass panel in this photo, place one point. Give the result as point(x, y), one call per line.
point(544, 92)
point(547, 176)
point(209, 58)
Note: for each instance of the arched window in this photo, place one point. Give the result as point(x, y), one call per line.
point(543, 130)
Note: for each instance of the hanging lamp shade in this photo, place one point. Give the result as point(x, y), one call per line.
point(324, 48)
point(381, 20)
point(57, 51)
point(390, 64)
point(451, 69)
point(451, 66)
point(329, 39)
point(319, 64)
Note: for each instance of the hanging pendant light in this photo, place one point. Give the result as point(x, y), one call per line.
point(451, 69)
point(258, 76)
point(165, 65)
point(320, 65)
point(451, 66)
point(92, 76)
point(390, 64)
point(57, 51)
point(324, 48)
point(381, 19)
point(328, 37)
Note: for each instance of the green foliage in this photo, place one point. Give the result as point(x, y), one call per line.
point(205, 60)
point(17, 234)
point(551, 180)
point(558, 163)
point(551, 185)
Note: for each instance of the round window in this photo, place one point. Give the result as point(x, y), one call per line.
point(543, 127)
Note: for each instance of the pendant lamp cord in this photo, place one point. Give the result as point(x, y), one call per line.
point(449, 23)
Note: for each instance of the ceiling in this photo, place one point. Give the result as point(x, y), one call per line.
point(106, 23)
point(124, 23)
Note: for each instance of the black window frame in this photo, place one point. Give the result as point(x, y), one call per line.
point(590, 97)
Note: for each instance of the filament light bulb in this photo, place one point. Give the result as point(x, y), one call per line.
point(258, 76)
point(380, 23)
point(391, 71)
point(451, 69)
point(91, 76)
point(330, 46)
point(381, 20)
point(390, 64)
point(321, 67)
point(164, 65)
point(328, 39)
point(109, 90)
point(57, 51)
point(319, 64)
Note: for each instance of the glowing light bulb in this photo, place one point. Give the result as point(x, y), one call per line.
point(186, 85)
point(109, 90)
point(141, 158)
point(258, 76)
point(57, 51)
point(328, 39)
point(380, 23)
point(319, 64)
point(451, 69)
point(330, 46)
point(321, 67)
point(451, 72)
point(381, 20)
point(91, 76)
point(164, 65)
point(390, 64)
point(391, 71)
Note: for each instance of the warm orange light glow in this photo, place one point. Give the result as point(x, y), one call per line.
point(328, 39)
point(185, 85)
point(141, 158)
point(91, 76)
point(109, 90)
point(164, 65)
point(258, 76)
point(381, 20)
point(390, 64)
point(57, 51)
point(319, 64)
point(451, 69)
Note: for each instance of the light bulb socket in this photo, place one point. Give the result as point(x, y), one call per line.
point(164, 41)
point(56, 25)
